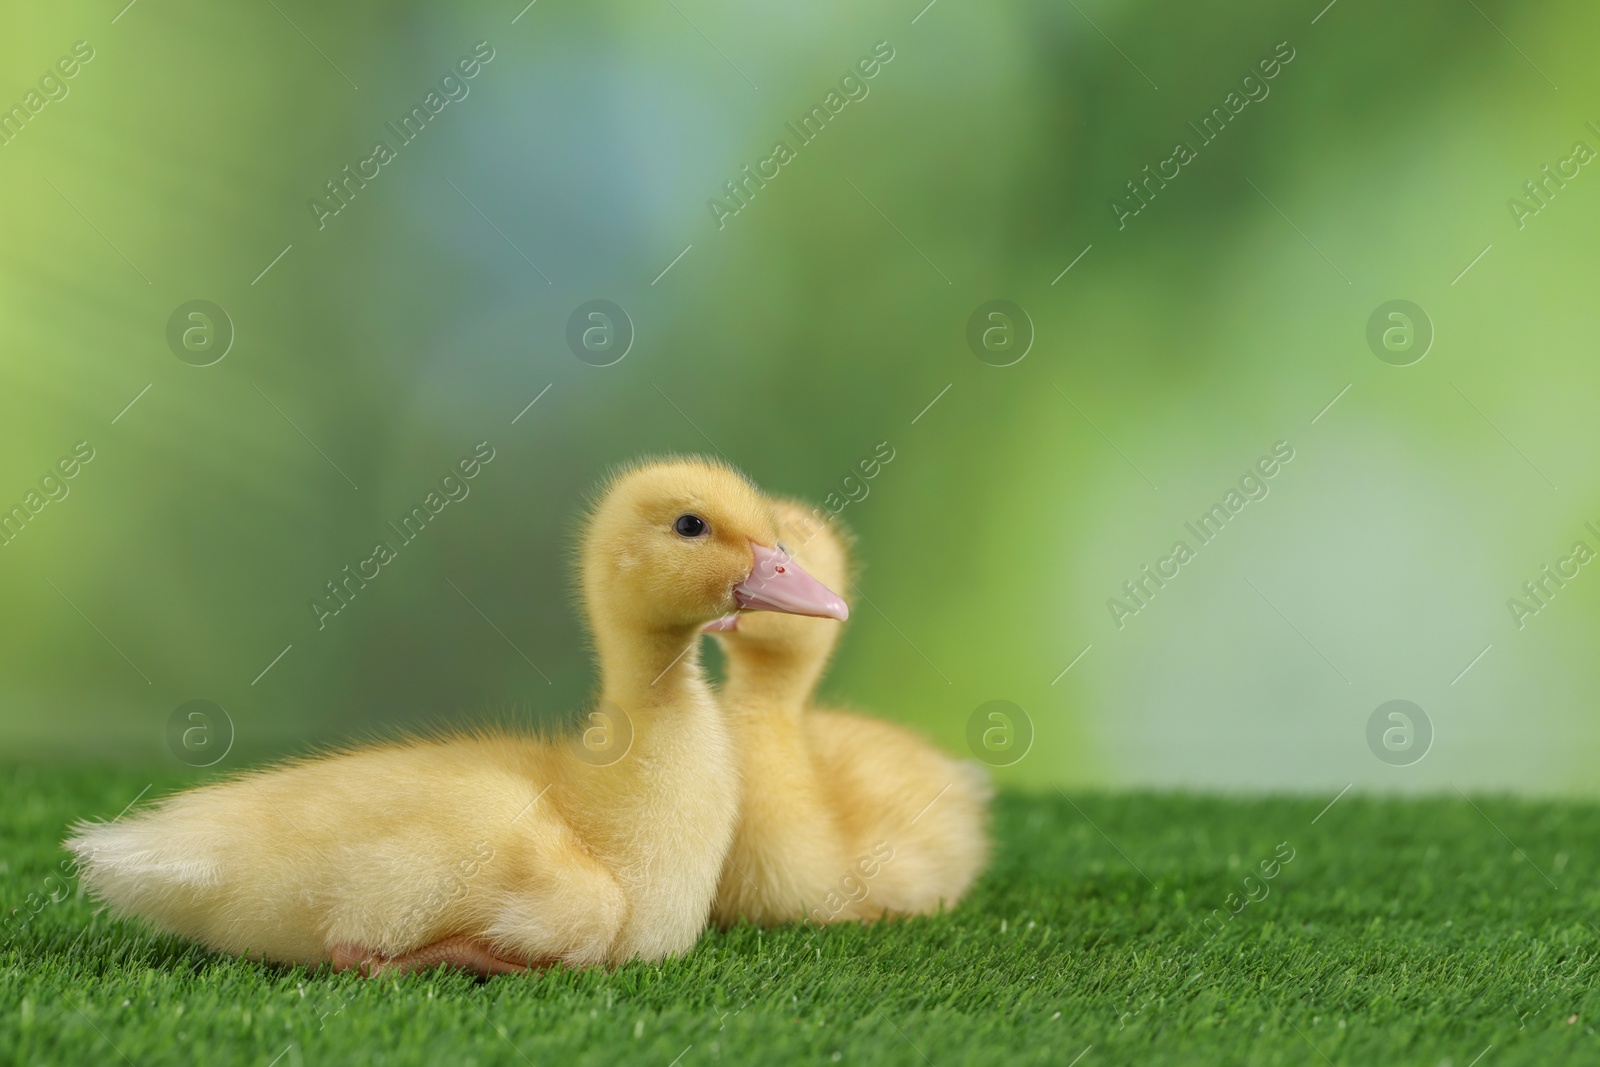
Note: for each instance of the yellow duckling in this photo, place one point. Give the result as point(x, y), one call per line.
point(497, 851)
point(843, 817)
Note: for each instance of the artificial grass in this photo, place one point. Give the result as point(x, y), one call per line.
point(1401, 931)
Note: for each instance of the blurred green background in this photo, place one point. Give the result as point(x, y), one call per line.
point(819, 321)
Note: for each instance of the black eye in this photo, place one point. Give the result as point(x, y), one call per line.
point(689, 525)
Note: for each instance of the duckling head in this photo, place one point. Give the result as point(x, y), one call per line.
point(673, 544)
point(821, 547)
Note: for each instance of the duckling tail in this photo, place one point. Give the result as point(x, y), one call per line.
point(140, 866)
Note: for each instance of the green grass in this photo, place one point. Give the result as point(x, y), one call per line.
point(1402, 931)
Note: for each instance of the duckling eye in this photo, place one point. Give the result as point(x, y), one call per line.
point(689, 525)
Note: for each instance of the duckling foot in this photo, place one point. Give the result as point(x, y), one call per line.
point(464, 953)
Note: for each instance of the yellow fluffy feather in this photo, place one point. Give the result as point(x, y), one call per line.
point(842, 817)
point(498, 850)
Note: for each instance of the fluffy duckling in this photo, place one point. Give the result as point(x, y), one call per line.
point(497, 852)
point(843, 817)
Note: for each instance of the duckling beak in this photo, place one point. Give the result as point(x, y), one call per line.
point(722, 625)
point(777, 583)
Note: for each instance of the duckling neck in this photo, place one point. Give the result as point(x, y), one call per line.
point(764, 683)
point(678, 773)
point(654, 669)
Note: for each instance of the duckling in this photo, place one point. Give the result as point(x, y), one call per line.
point(497, 851)
point(842, 817)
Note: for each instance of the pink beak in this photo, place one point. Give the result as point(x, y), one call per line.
point(777, 583)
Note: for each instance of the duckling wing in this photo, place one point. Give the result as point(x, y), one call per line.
point(391, 847)
point(788, 853)
point(899, 796)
